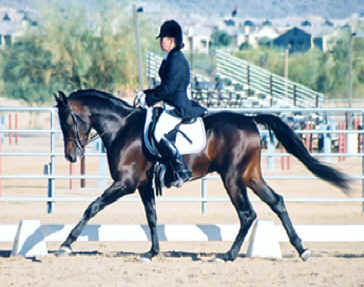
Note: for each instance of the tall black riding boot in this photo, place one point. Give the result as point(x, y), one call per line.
point(170, 152)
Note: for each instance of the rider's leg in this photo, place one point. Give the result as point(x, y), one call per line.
point(168, 150)
point(171, 153)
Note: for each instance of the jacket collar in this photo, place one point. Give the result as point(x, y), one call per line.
point(170, 53)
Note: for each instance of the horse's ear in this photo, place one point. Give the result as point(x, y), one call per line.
point(61, 98)
point(56, 98)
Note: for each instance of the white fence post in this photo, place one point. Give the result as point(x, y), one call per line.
point(52, 164)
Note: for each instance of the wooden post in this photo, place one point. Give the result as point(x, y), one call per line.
point(16, 127)
point(10, 127)
point(70, 173)
point(308, 136)
point(83, 171)
point(342, 140)
point(1, 166)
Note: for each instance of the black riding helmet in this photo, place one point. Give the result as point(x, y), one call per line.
point(172, 29)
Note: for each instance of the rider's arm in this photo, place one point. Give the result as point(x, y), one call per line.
point(175, 73)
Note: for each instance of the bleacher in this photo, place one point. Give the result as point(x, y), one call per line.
point(242, 85)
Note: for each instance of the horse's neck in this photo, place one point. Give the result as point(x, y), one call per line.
point(108, 124)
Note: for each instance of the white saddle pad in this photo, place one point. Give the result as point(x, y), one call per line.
point(195, 133)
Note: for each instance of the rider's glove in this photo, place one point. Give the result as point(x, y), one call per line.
point(141, 99)
point(150, 98)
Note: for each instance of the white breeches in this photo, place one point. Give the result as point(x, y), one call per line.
point(165, 124)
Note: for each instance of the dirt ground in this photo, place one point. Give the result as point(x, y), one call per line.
point(180, 263)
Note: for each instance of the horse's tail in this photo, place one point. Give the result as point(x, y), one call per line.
point(294, 146)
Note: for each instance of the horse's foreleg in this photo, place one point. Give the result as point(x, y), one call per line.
point(240, 200)
point(110, 195)
point(148, 198)
point(276, 203)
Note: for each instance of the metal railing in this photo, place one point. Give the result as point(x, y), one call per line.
point(276, 90)
point(257, 87)
point(51, 176)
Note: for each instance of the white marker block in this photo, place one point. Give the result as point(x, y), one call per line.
point(264, 240)
point(29, 240)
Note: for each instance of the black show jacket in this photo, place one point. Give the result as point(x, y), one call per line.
point(175, 78)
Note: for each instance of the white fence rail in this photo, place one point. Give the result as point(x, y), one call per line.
point(51, 176)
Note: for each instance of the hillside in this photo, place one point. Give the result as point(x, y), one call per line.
point(249, 8)
point(274, 8)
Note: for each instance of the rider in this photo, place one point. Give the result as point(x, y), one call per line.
point(172, 91)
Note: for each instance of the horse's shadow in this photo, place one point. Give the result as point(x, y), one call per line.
point(81, 253)
point(5, 253)
point(194, 256)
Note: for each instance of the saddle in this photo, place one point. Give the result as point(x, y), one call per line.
point(189, 137)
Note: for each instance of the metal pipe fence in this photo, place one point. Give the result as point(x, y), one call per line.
point(245, 85)
point(51, 176)
point(259, 80)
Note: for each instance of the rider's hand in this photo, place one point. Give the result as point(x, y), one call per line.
point(141, 99)
point(150, 98)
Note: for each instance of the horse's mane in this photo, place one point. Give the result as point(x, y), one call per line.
point(101, 95)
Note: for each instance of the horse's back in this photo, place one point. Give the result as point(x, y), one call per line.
point(231, 120)
point(230, 138)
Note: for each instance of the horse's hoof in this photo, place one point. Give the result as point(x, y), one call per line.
point(144, 259)
point(305, 255)
point(225, 257)
point(217, 260)
point(63, 251)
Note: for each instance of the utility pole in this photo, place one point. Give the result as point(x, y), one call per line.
point(190, 39)
point(137, 43)
point(350, 67)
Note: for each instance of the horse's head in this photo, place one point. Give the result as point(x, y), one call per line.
point(75, 125)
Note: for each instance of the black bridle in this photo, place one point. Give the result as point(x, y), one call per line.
point(77, 137)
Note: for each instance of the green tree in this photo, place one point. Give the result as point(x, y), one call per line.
point(221, 38)
point(264, 57)
point(70, 50)
point(25, 71)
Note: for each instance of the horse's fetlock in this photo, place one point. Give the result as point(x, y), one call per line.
point(253, 216)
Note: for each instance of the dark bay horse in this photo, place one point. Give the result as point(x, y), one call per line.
point(233, 151)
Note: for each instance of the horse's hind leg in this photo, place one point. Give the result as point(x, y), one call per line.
point(276, 203)
point(110, 195)
point(238, 195)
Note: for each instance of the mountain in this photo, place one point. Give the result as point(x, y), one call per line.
point(248, 8)
point(272, 8)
